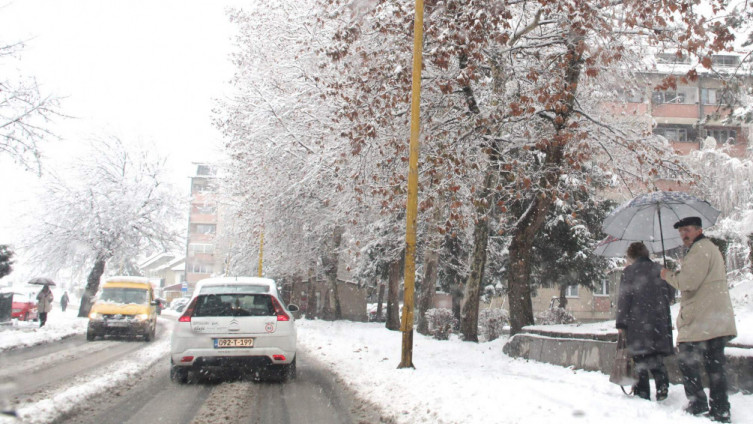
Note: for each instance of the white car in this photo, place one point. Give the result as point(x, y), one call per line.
point(238, 324)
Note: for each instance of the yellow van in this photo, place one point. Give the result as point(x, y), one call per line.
point(124, 306)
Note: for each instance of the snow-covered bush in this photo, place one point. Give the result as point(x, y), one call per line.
point(491, 322)
point(441, 322)
point(555, 315)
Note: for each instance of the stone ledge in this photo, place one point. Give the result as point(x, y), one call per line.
point(580, 351)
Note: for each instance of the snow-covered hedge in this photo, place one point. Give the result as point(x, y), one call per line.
point(441, 322)
point(491, 322)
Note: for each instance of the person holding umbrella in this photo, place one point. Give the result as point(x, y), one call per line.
point(706, 321)
point(64, 301)
point(643, 315)
point(44, 304)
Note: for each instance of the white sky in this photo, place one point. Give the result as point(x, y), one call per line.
point(139, 69)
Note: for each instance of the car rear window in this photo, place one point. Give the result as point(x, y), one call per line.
point(234, 288)
point(233, 305)
point(124, 295)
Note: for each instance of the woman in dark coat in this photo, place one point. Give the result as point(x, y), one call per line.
point(643, 314)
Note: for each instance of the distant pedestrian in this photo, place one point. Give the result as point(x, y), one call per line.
point(643, 315)
point(44, 303)
point(64, 301)
point(706, 321)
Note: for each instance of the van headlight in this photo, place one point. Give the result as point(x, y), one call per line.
point(95, 316)
point(142, 317)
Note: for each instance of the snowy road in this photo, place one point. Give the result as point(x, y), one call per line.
point(127, 381)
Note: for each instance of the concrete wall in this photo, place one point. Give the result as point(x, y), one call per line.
point(596, 353)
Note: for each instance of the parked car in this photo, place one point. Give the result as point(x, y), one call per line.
point(179, 303)
point(126, 306)
point(24, 306)
point(237, 324)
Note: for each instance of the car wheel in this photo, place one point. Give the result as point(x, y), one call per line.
point(26, 316)
point(149, 335)
point(288, 372)
point(90, 336)
point(179, 374)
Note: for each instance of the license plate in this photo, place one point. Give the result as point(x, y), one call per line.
point(247, 342)
point(117, 324)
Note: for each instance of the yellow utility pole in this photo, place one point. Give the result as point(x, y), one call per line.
point(406, 360)
point(261, 250)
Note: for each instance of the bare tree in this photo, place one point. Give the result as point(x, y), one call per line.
point(25, 115)
point(113, 207)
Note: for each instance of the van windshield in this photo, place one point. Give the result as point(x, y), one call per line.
point(124, 295)
point(234, 305)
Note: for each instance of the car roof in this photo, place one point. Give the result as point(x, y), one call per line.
point(267, 283)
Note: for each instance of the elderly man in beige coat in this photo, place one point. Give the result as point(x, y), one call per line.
point(706, 321)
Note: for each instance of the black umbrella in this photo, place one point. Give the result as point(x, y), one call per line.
point(41, 281)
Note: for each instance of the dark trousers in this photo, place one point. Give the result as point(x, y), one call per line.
point(42, 318)
point(655, 364)
point(710, 354)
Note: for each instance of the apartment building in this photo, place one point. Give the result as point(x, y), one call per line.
point(203, 259)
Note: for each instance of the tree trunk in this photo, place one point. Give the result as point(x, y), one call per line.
point(92, 286)
point(469, 312)
point(332, 310)
point(380, 299)
point(563, 297)
point(393, 295)
point(431, 271)
point(311, 312)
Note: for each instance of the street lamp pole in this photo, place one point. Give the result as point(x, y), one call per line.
point(406, 360)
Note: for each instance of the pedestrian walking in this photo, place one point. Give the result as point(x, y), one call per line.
point(64, 301)
point(44, 303)
point(643, 315)
point(706, 321)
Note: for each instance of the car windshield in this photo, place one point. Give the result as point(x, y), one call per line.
point(124, 295)
point(234, 288)
point(240, 304)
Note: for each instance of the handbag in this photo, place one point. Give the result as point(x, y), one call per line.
point(623, 369)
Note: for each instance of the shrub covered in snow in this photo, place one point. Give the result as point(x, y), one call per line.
point(555, 315)
point(441, 322)
point(491, 322)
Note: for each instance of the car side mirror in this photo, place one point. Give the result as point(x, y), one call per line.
point(293, 308)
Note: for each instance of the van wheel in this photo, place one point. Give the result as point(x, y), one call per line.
point(90, 336)
point(149, 335)
point(179, 374)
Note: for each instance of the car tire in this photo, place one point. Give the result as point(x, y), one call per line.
point(90, 336)
point(288, 372)
point(149, 335)
point(26, 317)
point(179, 374)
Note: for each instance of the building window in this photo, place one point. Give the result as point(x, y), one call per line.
point(195, 248)
point(602, 289)
point(572, 291)
point(205, 209)
point(205, 229)
point(672, 133)
point(672, 58)
point(723, 136)
point(205, 170)
point(673, 97)
point(725, 60)
point(198, 268)
point(708, 96)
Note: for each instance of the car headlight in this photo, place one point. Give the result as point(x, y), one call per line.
point(142, 317)
point(96, 316)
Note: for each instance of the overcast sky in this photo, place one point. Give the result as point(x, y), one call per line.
point(138, 69)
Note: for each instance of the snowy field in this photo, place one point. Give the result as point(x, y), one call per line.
point(453, 382)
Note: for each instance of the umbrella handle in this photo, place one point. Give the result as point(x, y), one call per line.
point(661, 235)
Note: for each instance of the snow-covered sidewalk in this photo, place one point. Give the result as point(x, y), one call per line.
point(458, 382)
